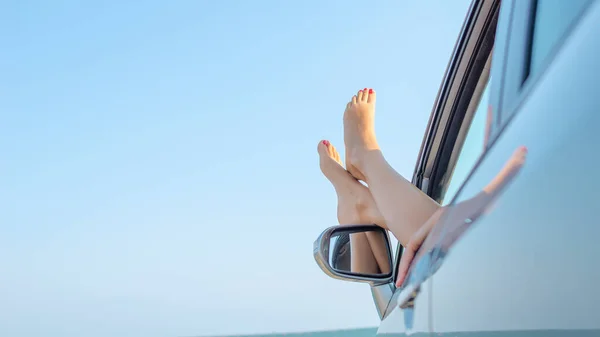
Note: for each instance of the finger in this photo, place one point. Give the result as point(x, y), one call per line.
point(405, 261)
point(414, 244)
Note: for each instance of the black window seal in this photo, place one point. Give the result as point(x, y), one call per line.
point(439, 129)
point(476, 68)
point(434, 119)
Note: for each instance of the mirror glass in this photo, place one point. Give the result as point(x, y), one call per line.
point(360, 252)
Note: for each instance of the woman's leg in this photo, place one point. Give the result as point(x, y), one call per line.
point(403, 206)
point(355, 206)
point(380, 251)
point(361, 256)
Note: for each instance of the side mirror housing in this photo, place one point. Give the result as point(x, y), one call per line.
point(359, 253)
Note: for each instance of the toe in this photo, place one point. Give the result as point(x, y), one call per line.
point(371, 94)
point(322, 148)
point(354, 99)
point(333, 152)
point(365, 95)
point(359, 96)
point(326, 149)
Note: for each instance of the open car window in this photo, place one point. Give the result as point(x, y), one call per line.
point(471, 144)
point(468, 131)
point(459, 128)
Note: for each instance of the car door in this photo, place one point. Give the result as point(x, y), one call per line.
point(463, 94)
point(516, 253)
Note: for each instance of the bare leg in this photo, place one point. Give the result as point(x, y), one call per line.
point(355, 206)
point(362, 259)
point(404, 207)
point(380, 252)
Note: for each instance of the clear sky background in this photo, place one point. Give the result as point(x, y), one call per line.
point(159, 174)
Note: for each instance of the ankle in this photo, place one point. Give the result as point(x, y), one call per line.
point(369, 162)
point(355, 208)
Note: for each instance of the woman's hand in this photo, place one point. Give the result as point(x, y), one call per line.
point(414, 244)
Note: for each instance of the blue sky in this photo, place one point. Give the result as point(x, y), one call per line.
point(159, 170)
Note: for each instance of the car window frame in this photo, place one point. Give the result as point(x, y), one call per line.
point(443, 126)
point(518, 80)
point(451, 150)
point(498, 71)
point(446, 175)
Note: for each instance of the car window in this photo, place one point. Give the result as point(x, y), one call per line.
point(477, 133)
point(553, 19)
point(469, 147)
point(461, 121)
point(472, 147)
point(537, 30)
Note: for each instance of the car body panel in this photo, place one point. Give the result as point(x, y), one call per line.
point(527, 266)
point(524, 264)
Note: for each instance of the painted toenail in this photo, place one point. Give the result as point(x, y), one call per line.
point(370, 91)
point(365, 89)
point(326, 143)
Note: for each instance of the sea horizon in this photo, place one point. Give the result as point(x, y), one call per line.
point(354, 332)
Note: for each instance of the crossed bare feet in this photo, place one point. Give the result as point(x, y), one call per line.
point(355, 203)
point(359, 131)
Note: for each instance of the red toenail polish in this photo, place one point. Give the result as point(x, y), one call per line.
point(326, 143)
point(370, 91)
point(365, 89)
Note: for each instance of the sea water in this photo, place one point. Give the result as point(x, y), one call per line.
point(365, 332)
point(373, 331)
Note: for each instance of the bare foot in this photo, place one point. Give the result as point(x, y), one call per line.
point(355, 203)
point(359, 130)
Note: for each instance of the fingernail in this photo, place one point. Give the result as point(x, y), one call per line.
point(326, 143)
point(370, 91)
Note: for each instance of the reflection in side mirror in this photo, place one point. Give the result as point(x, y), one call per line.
point(359, 253)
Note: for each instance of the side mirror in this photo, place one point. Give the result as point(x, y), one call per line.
point(359, 253)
